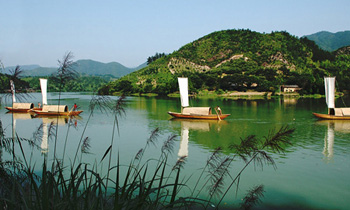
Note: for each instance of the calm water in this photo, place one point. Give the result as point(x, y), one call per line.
point(314, 172)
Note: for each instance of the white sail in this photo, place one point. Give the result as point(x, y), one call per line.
point(43, 85)
point(329, 84)
point(183, 86)
point(13, 91)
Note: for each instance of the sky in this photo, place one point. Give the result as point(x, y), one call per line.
point(128, 32)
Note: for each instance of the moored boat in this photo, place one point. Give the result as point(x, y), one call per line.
point(188, 112)
point(341, 113)
point(20, 107)
point(52, 110)
point(56, 110)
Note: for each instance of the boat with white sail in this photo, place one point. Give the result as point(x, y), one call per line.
point(53, 110)
point(341, 113)
point(204, 113)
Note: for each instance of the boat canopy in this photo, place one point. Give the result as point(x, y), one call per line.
point(341, 112)
point(23, 106)
point(197, 110)
point(55, 108)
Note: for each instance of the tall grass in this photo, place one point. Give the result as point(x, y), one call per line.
point(141, 184)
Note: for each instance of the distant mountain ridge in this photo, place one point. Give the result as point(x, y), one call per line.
point(330, 41)
point(83, 67)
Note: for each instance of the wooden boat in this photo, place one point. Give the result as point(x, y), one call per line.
point(52, 110)
point(333, 113)
point(20, 107)
point(333, 117)
point(204, 113)
point(198, 113)
point(56, 110)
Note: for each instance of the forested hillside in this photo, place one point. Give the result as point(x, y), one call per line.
point(240, 60)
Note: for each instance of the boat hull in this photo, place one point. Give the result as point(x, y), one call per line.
point(11, 109)
point(16, 109)
point(71, 113)
point(197, 116)
point(331, 117)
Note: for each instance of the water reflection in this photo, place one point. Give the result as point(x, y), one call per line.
point(21, 115)
point(49, 121)
point(195, 125)
point(333, 126)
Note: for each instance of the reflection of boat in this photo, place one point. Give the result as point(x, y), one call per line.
point(342, 126)
point(204, 113)
point(186, 126)
point(21, 115)
point(333, 113)
point(52, 110)
point(198, 124)
point(61, 120)
point(329, 137)
point(44, 142)
point(333, 126)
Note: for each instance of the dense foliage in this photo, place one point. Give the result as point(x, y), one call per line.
point(80, 84)
point(239, 60)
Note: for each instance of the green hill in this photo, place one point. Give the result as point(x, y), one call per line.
point(331, 41)
point(237, 60)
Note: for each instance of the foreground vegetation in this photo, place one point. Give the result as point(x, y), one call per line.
point(146, 184)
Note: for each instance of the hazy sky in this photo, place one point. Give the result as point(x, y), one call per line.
point(43, 31)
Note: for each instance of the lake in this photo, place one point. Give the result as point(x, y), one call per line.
point(312, 174)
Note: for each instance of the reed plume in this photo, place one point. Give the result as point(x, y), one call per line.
point(253, 197)
point(85, 146)
point(168, 145)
